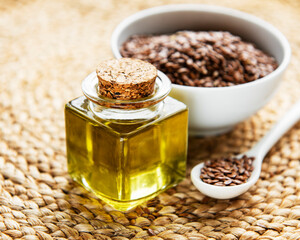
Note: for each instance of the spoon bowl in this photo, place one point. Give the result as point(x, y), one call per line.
point(258, 152)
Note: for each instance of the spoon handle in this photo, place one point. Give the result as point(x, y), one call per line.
point(276, 132)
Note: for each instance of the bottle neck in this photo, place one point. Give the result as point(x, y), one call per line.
point(126, 115)
point(126, 110)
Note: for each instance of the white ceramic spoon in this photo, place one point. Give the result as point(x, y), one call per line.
point(258, 151)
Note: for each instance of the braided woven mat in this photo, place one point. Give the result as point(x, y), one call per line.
point(47, 47)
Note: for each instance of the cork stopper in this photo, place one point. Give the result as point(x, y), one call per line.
point(126, 78)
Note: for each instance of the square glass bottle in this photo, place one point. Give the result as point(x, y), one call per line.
point(126, 151)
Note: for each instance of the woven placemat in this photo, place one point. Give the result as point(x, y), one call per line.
point(47, 47)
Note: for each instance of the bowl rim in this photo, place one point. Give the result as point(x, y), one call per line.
point(210, 9)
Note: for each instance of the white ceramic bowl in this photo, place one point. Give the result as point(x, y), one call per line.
point(213, 110)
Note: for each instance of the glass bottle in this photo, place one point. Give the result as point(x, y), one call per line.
point(126, 151)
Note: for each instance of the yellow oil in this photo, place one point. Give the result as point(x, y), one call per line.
point(126, 164)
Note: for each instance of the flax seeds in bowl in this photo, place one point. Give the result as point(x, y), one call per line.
point(201, 58)
point(225, 64)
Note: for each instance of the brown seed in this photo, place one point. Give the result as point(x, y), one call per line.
point(227, 182)
point(237, 181)
point(219, 184)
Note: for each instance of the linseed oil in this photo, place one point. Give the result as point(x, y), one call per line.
point(126, 163)
point(126, 140)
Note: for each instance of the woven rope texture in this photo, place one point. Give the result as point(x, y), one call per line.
point(47, 47)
